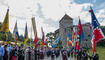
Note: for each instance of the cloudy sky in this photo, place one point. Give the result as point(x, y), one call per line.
point(49, 12)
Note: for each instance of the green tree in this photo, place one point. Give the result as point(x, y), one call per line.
point(50, 36)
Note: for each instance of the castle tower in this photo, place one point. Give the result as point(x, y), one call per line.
point(65, 26)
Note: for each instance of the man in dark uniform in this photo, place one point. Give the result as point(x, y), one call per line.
point(52, 55)
point(35, 52)
point(84, 55)
point(38, 53)
point(21, 53)
point(94, 56)
point(48, 53)
point(57, 53)
point(5, 57)
point(29, 52)
point(79, 54)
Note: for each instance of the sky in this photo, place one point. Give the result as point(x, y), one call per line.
point(48, 13)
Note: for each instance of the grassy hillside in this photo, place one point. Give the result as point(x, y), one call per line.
point(101, 51)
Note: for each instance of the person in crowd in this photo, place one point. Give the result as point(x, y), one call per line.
point(32, 53)
point(38, 53)
point(68, 52)
point(48, 53)
point(41, 54)
point(64, 55)
point(94, 56)
point(10, 48)
point(21, 53)
point(29, 54)
point(14, 53)
point(26, 53)
point(79, 54)
point(57, 53)
point(1, 52)
point(84, 55)
point(35, 53)
point(5, 57)
point(52, 55)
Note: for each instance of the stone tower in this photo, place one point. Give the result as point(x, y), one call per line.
point(65, 26)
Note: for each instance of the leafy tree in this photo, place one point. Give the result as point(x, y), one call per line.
point(50, 36)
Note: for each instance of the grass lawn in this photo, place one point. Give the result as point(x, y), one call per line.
point(101, 52)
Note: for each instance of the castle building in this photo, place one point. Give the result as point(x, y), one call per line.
point(66, 26)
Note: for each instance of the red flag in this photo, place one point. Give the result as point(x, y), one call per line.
point(36, 40)
point(79, 30)
point(77, 45)
point(36, 45)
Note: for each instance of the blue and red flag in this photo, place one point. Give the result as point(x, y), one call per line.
point(15, 33)
point(97, 33)
point(46, 42)
point(80, 35)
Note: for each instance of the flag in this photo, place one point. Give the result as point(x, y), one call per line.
point(35, 32)
point(26, 34)
point(46, 42)
point(73, 37)
point(54, 45)
point(57, 40)
point(5, 25)
point(15, 33)
point(79, 31)
point(69, 39)
point(42, 41)
point(36, 45)
point(97, 33)
point(82, 37)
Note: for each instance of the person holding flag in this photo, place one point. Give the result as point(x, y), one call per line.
point(79, 31)
point(97, 34)
point(80, 38)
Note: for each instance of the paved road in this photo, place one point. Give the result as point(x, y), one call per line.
point(59, 58)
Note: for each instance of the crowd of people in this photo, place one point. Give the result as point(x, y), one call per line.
point(14, 52)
